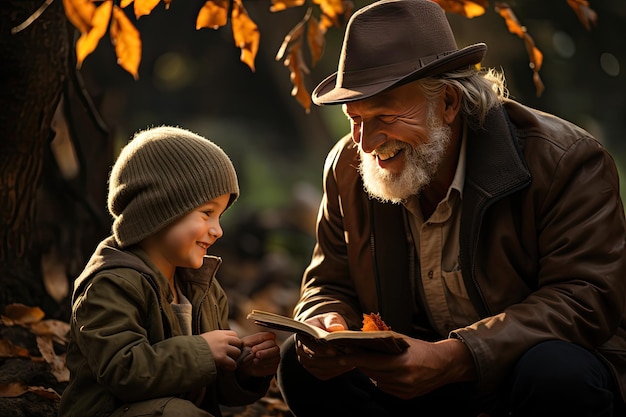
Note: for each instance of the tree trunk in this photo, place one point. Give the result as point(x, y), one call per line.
point(33, 70)
point(32, 75)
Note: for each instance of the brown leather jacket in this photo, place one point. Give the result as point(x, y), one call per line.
point(542, 245)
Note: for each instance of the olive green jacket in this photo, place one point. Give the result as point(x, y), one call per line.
point(542, 245)
point(126, 344)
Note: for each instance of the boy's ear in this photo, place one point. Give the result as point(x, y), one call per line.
point(452, 101)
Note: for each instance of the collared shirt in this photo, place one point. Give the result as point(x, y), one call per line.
point(442, 291)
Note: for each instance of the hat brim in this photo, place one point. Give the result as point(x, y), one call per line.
point(327, 92)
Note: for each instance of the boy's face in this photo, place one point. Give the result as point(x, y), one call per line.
point(185, 242)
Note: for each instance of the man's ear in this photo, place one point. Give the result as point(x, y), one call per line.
point(452, 100)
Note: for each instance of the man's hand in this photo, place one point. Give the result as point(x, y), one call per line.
point(320, 360)
point(423, 368)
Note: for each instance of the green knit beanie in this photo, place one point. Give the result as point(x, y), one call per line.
point(162, 174)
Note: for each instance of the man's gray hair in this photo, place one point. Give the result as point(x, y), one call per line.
point(481, 91)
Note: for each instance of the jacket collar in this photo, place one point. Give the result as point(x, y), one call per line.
point(495, 168)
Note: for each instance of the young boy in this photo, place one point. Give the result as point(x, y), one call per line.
point(149, 325)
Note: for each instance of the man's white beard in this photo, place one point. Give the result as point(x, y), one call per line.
point(422, 162)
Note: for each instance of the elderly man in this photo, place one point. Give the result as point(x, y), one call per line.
point(490, 234)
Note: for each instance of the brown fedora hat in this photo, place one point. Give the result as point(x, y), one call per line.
point(392, 42)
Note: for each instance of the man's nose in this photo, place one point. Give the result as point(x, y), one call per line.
point(371, 136)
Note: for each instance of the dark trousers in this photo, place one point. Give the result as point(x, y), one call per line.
point(552, 379)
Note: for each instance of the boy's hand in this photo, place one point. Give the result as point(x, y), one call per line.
point(225, 346)
point(260, 355)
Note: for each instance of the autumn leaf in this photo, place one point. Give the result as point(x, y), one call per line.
point(88, 42)
point(297, 67)
point(245, 33)
point(144, 7)
point(127, 42)
point(333, 9)
point(467, 8)
point(291, 50)
point(55, 329)
point(12, 389)
point(9, 350)
point(213, 14)
point(48, 393)
point(534, 54)
point(79, 13)
point(57, 363)
point(22, 314)
point(279, 5)
point(585, 14)
point(316, 40)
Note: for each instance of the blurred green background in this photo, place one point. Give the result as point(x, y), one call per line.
point(194, 79)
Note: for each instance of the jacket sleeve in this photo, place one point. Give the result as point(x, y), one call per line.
point(577, 292)
point(111, 317)
point(327, 285)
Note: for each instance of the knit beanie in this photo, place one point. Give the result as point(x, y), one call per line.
point(162, 174)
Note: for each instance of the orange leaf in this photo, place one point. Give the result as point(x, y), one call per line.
point(144, 7)
point(88, 42)
point(48, 393)
point(293, 38)
point(297, 67)
point(245, 33)
point(80, 13)
point(467, 8)
point(585, 14)
point(279, 5)
point(57, 363)
point(125, 3)
point(510, 19)
point(12, 390)
point(213, 14)
point(10, 350)
point(333, 9)
point(22, 314)
point(538, 83)
point(56, 329)
point(127, 42)
point(316, 40)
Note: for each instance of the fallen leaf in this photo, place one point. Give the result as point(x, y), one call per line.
point(12, 389)
point(57, 363)
point(9, 350)
point(22, 314)
point(49, 393)
point(56, 329)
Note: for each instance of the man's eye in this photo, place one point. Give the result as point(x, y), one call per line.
point(388, 119)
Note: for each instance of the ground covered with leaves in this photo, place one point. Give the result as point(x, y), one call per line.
point(33, 374)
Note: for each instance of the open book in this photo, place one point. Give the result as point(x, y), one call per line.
point(385, 341)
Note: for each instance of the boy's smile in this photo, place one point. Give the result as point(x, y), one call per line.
point(184, 243)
